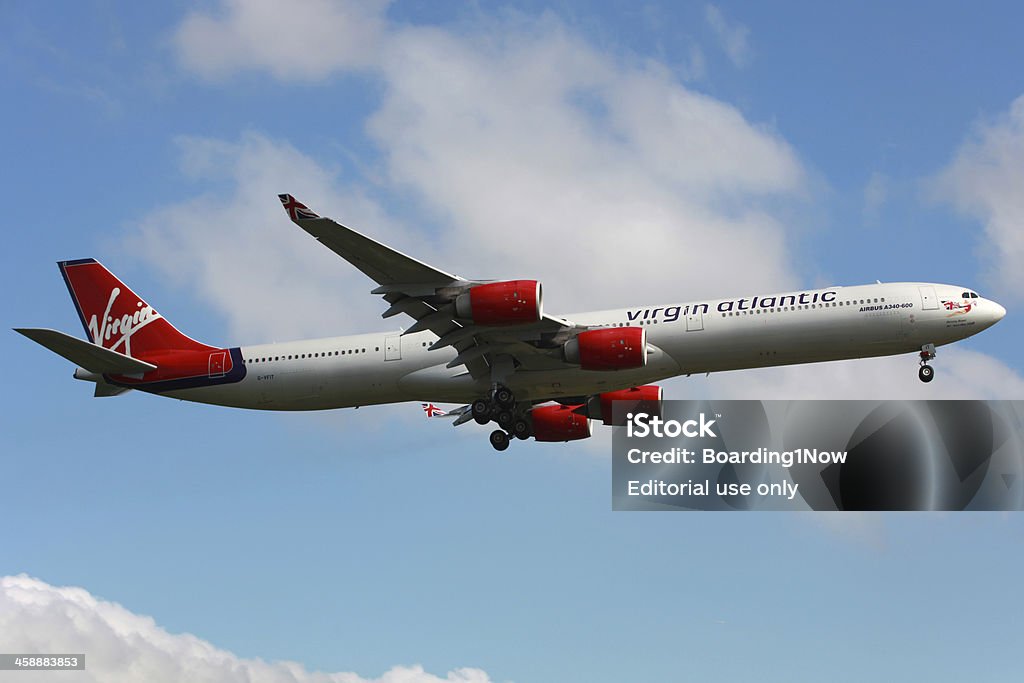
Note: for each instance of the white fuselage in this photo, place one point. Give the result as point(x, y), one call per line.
point(802, 327)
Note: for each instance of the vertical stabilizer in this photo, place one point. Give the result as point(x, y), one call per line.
point(117, 318)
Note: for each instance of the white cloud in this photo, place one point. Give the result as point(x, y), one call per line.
point(122, 646)
point(876, 193)
point(305, 40)
point(694, 66)
point(598, 162)
point(533, 151)
point(960, 374)
point(733, 37)
point(237, 249)
point(984, 181)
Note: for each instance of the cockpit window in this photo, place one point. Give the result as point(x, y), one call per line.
point(969, 295)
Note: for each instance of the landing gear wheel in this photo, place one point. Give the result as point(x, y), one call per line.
point(505, 419)
point(481, 411)
point(926, 373)
point(504, 397)
point(520, 429)
point(499, 440)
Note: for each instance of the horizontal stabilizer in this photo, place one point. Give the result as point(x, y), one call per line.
point(104, 389)
point(85, 354)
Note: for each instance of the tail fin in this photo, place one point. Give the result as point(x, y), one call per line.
point(117, 318)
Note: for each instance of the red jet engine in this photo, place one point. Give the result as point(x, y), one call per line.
point(501, 303)
point(645, 399)
point(612, 348)
point(559, 423)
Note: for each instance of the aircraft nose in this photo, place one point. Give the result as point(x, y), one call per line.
point(998, 312)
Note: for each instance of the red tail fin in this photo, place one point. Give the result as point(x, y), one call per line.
point(117, 318)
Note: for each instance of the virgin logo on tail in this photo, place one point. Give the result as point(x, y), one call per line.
point(109, 327)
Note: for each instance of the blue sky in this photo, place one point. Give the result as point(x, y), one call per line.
point(620, 153)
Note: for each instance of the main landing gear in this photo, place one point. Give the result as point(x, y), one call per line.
point(501, 408)
point(926, 373)
point(499, 440)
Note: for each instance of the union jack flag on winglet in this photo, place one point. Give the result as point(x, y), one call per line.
point(432, 411)
point(295, 208)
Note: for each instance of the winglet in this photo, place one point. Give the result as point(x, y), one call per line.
point(432, 410)
point(296, 210)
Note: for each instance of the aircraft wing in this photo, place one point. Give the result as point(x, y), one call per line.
point(427, 294)
point(383, 265)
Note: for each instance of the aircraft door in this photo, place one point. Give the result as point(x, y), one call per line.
point(393, 348)
point(928, 300)
point(695, 320)
point(217, 364)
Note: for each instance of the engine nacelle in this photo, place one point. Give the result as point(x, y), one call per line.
point(611, 348)
point(559, 423)
point(645, 399)
point(501, 303)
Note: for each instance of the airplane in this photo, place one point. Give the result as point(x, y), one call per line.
point(491, 346)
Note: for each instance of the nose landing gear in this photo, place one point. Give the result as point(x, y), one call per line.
point(926, 373)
